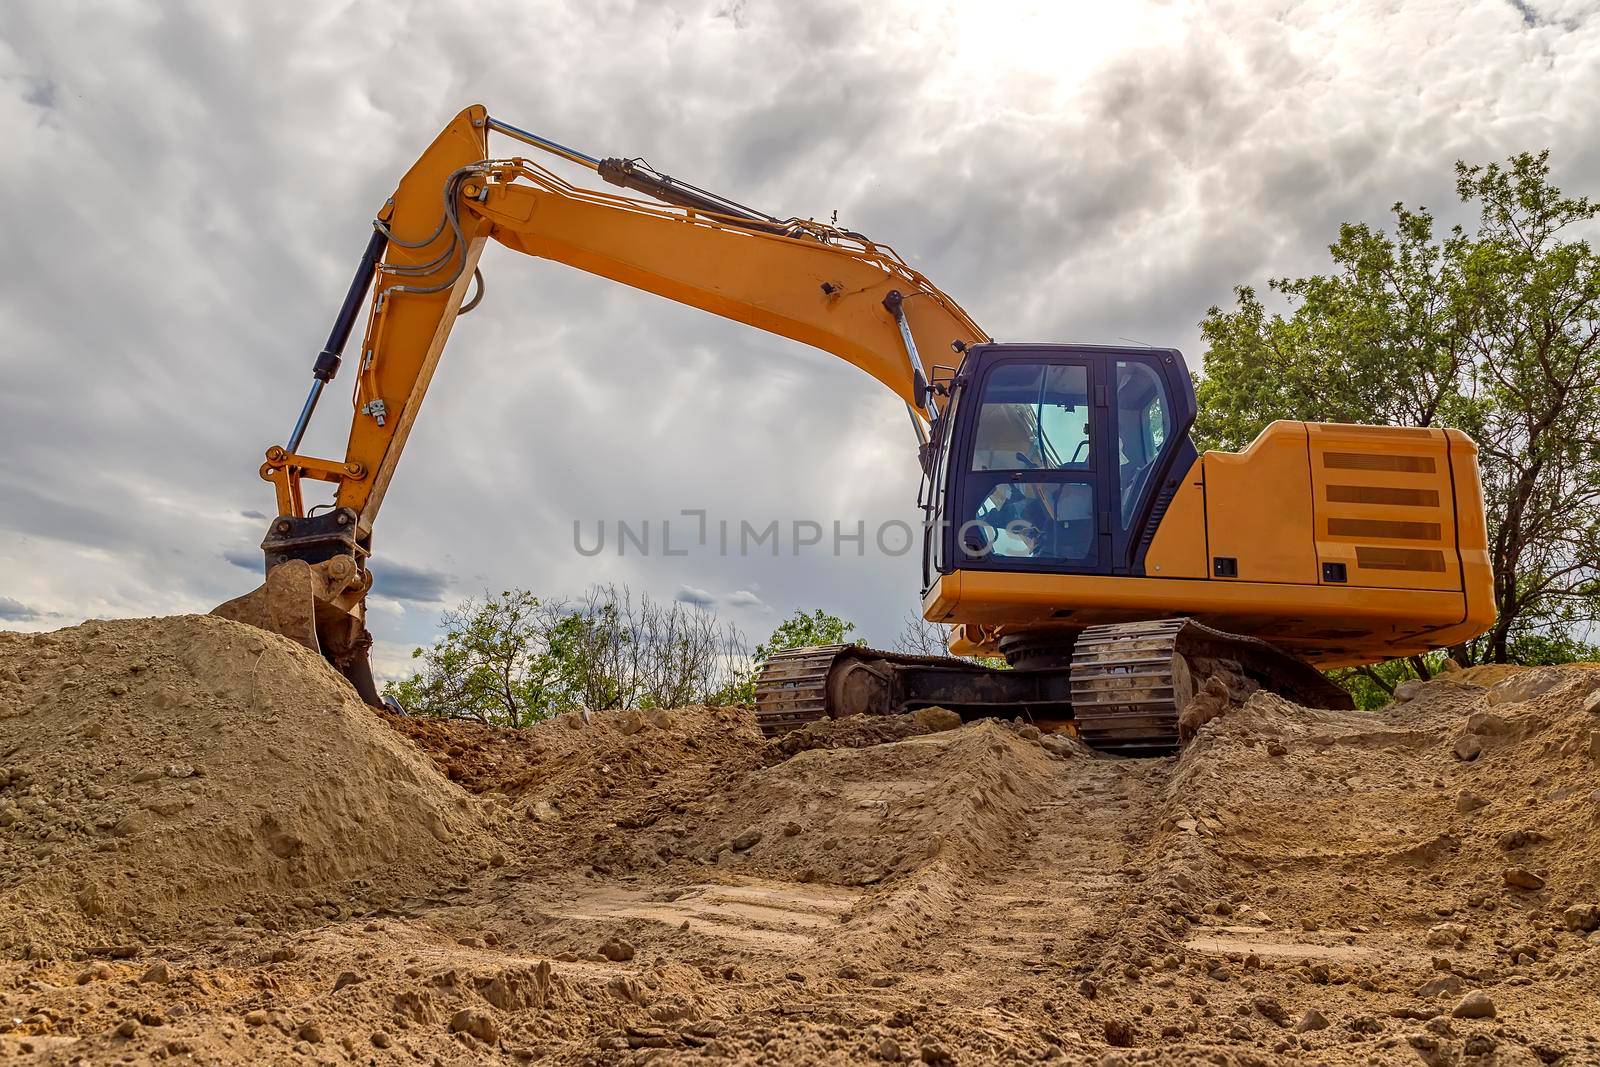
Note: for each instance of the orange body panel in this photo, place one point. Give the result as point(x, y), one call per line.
point(1258, 507)
point(406, 332)
point(825, 295)
point(1385, 505)
point(1401, 508)
point(1179, 548)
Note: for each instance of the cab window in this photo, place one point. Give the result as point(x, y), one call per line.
point(1143, 425)
point(1030, 491)
point(1034, 417)
point(1051, 521)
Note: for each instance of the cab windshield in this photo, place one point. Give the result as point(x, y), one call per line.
point(1032, 458)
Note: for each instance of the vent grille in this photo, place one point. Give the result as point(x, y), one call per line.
point(1362, 461)
point(1383, 494)
point(1399, 559)
point(1400, 531)
point(1157, 513)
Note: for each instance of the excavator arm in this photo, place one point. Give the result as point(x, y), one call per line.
point(815, 283)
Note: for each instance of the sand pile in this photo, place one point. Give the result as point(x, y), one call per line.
point(160, 774)
point(1413, 885)
point(858, 816)
point(1398, 862)
point(836, 804)
point(1462, 783)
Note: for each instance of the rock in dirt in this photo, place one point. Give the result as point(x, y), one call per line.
point(936, 718)
point(1512, 840)
point(746, 840)
point(1065, 747)
point(1444, 985)
point(1211, 701)
point(1582, 917)
point(617, 950)
point(1408, 690)
point(1526, 685)
point(1522, 878)
point(1120, 1033)
point(1311, 1021)
point(1467, 802)
point(1488, 724)
point(157, 974)
point(1269, 1008)
point(1468, 749)
point(480, 1024)
point(1475, 1005)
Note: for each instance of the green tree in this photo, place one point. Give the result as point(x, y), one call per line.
point(512, 659)
point(499, 661)
point(799, 630)
point(1496, 332)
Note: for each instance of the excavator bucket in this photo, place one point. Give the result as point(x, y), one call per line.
point(320, 605)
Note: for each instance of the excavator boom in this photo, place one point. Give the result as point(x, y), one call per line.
point(812, 282)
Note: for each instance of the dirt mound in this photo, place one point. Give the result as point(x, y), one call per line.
point(1419, 884)
point(160, 774)
point(856, 816)
point(1404, 857)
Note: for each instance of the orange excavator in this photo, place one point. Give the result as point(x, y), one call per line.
point(1070, 527)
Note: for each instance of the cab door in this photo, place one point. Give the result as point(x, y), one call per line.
point(1024, 485)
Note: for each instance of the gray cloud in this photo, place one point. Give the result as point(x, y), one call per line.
point(743, 598)
point(1066, 176)
point(40, 92)
point(16, 611)
point(403, 581)
point(695, 597)
point(247, 558)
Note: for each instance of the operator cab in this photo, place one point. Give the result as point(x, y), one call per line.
point(1056, 458)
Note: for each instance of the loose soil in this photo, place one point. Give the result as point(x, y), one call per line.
point(211, 850)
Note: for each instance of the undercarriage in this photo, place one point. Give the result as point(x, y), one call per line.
point(1134, 689)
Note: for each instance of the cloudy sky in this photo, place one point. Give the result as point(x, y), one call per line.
point(186, 187)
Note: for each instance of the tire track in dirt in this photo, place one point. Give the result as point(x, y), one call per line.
point(1036, 937)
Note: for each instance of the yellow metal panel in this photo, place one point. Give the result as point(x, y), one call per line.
point(1179, 547)
point(1258, 507)
point(1472, 534)
point(1384, 505)
point(1330, 625)
point(826, 295)
point(406, 332)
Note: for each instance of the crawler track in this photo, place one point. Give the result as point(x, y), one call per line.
point(1126, 684)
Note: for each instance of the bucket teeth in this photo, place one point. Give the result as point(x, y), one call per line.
point(319, 605)
point(284, 604)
